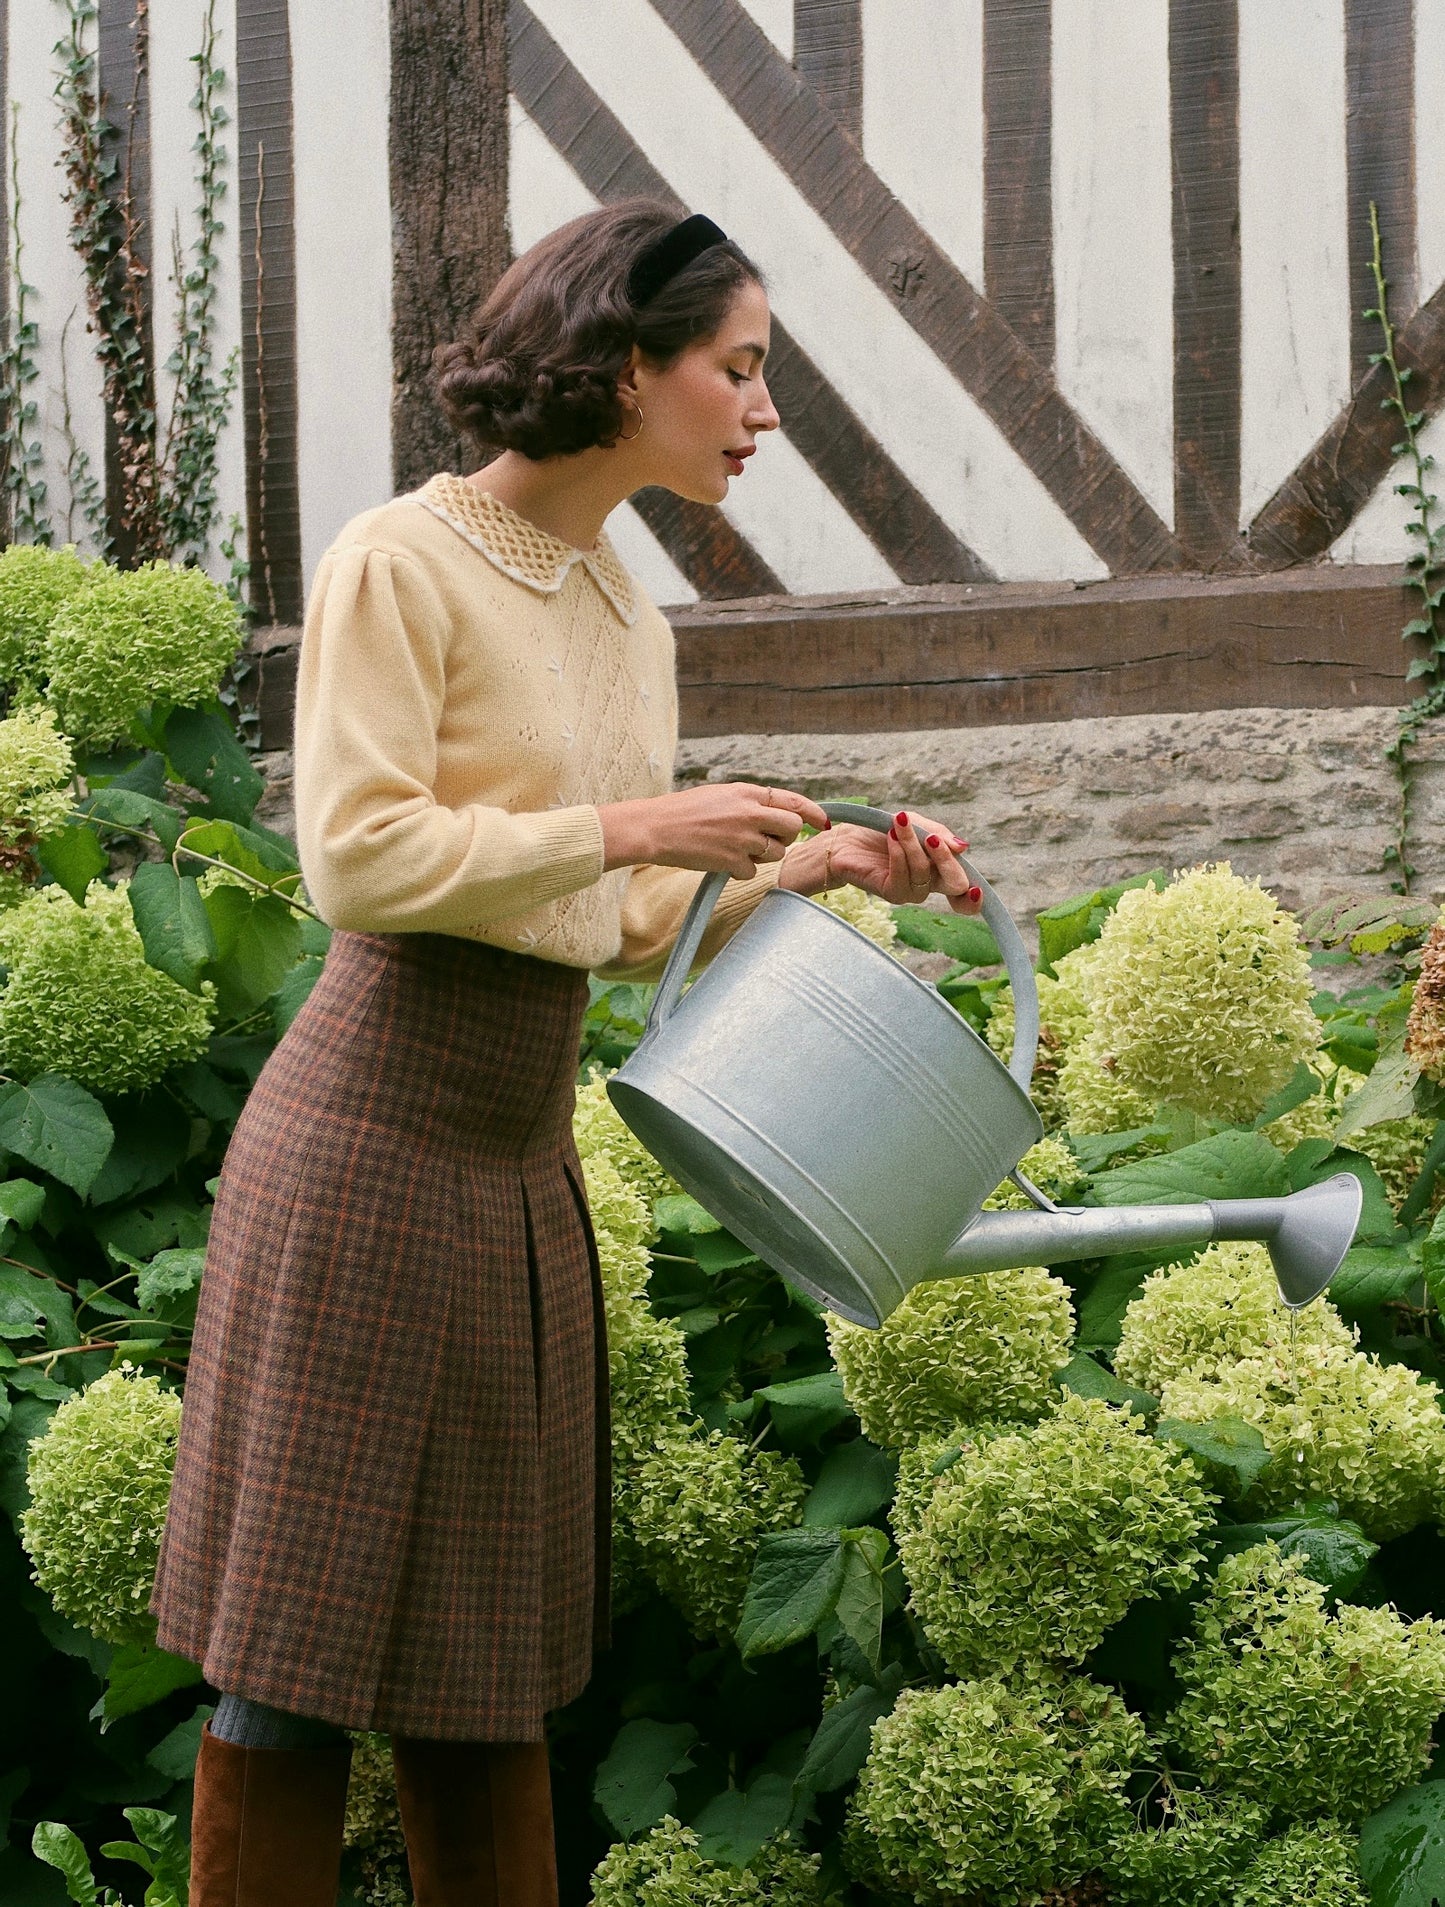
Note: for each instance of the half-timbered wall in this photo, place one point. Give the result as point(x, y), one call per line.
point(1065, 292)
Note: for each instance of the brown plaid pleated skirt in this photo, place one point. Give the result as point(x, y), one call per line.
point(391, 1497)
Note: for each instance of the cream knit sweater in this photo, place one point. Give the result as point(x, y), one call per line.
point(470, 689)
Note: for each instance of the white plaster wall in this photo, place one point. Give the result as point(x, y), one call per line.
point(775, 17)
point(64, 356)
point(175, 39)
point(923, 116)
point(938, 436)
point(341, 87)
point(1430, 141)
point(1113, 258)
point(1377, 534)
point(1294, 250)
point(779, 504)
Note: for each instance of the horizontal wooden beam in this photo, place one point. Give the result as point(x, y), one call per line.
point(958, 655)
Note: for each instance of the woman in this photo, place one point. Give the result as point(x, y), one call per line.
point(391, 1499)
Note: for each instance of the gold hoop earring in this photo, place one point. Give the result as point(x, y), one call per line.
point(638, 408)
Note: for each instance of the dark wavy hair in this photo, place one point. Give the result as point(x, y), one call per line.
point(536, 370)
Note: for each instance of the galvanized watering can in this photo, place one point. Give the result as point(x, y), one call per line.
point(838, 1116)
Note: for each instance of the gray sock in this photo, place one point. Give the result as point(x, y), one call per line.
point(253, 1725)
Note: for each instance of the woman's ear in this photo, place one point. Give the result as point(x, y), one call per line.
point(627, 376)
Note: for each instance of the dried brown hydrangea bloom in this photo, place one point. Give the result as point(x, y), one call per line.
point(1425, 1029)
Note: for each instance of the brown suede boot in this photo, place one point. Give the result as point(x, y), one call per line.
point(267, 1826)
point(478, 1821)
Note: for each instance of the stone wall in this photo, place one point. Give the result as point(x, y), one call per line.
point(1303, 798)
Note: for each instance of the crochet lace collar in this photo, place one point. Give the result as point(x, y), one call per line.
point(520, 549)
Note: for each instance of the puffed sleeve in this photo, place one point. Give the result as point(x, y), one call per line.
point(653, 906)
point(378, 852)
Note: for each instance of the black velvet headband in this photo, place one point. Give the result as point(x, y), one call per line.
point(670, 254)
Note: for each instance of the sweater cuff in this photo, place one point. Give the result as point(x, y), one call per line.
point(570, 852)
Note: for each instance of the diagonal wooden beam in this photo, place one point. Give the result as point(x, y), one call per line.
point(718, 561)
point(1018, 212)
point(1380, 162)
point(1324, 492)
point(915, 541)
point(957, 323)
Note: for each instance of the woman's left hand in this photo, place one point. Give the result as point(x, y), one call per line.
point(897, 866)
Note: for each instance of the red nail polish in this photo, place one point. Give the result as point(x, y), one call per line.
point(893, 834)
point(901, 819)
point(960, 847)
point(932, 841)
point(826, 823)
point(975, 893)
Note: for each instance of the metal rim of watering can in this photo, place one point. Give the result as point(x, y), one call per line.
point(996, 917)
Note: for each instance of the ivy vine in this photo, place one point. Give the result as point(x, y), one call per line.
point(23, 489)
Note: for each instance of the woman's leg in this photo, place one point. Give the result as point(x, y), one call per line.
point(478, 1821)
point(270, 1807)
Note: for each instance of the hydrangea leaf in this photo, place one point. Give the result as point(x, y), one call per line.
point(859, 1608)
point(855, 1482)
point(175, 1754)
point(250, 850)
point(1102, 1307)
point(633, 1785)
point(21, 1202)
point(56, 1125)
point(258, 941)
point(733, 1826)
point(1432, 1260)
point(1315, 1160)
point(794, 1587)
point(967, 941)
point(73, 857)
point(1389, 1093)
point(206, 752)
point(1085, 1377)
point(131, 809)
point(1402, 1848)
point(719, 1251)
point(805, 1409)
point(61, 1847)
point(141, 1674)
point(172, 921)
point(1226, 1165)
point(1372, 1275)
point(152, 1141)
point(171, 1274)
point(1333, 1550)
point(1073, 923)
point(294, 991)
point(1303, 1084)
point(840, 1745)
point(679, 1213)
point(1225, 1444)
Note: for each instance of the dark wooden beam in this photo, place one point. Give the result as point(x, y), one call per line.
point(958, 324)
point(1380, 161)
point(448, 152)
point(265, 220)
point(712, 555)
point(1018, 218)
point(1204, 142)
point(122, 49)
point(959, 656)
point(828, 53)
point(906, 530)
point(1320, 498)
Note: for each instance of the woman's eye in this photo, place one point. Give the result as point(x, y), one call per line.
point(738, 377)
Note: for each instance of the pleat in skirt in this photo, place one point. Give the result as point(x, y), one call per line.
point(392, 1493)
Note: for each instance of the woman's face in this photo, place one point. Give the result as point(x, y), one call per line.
point(703, 413)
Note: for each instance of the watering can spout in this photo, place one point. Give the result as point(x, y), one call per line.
point(1306, 1234)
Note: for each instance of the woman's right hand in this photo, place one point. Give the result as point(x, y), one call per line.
point(725, 827)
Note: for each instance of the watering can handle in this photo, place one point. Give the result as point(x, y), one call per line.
point(996, 918)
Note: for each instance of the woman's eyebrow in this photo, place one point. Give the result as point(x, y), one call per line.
point(759, 351)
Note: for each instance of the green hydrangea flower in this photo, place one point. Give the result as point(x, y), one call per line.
point(1035, 1541)
point(160, 633)
point(983, 1792)
point(100, 1479)
point(1200, 993)
point(621, 1224)
point(1303, 1712)
point(35, 767)
point(1202, 1317)
point(1196, 1858)
point(1063, 1021)
point(600, 1133)
point(1314, 1865)
point(870, 915)
point(80, 999)
point(667, 1868)
point(1340, 1424)
point(1051, 1166)
point(1396, 1148)
point(373, 1828)
point(957, 1350)
point(1091, 1097)
point(702, 1503)
point(34, 582)
point(651, 1408)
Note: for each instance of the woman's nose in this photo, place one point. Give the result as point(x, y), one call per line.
point(764, 415)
